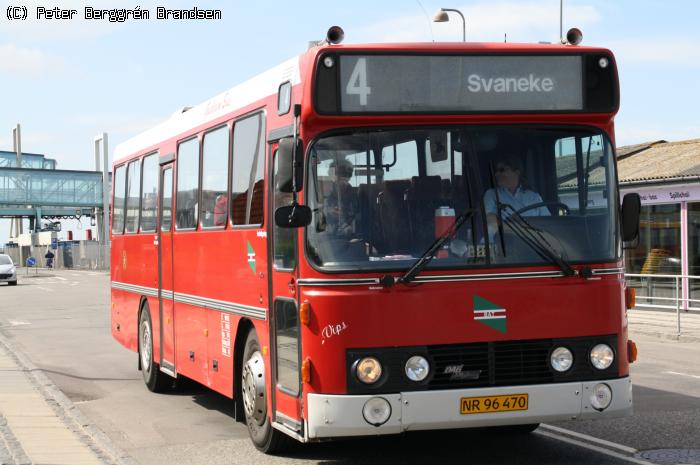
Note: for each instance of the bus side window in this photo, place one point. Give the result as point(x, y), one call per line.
point(247, 185)
point(215, 178)
point(133, 188)
point(187, 184)
point(119, 200)
point(149, 181)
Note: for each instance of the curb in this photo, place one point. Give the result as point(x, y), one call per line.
point(666, 336)
point(66, 410)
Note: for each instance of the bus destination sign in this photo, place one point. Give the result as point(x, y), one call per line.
point(421, 83)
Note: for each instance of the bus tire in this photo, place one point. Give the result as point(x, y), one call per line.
point(254, 394)
point(152, 376)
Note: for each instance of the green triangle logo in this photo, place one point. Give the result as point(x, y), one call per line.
point(489, 314)
point(251, 257)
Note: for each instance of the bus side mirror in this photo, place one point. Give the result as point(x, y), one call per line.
point(631, 207)
point(293, 216)
point(286, 157)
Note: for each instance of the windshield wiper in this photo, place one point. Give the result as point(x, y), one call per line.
point(429, 254)
point(534, 238)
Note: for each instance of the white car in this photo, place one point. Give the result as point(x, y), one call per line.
point(8, 272)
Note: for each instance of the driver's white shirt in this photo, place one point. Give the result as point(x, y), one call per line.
point(519, 199)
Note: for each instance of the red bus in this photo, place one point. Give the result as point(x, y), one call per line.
point(372, 239)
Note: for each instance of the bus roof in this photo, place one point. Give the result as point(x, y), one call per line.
point(268, 82)
point(250, 91)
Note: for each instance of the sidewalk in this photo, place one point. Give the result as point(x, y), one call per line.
point(664, 324)
point(34, 427)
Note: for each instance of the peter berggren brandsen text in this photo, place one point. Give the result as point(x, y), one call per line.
point(121, 15)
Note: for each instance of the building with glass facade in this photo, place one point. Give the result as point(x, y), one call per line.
point(667, 177)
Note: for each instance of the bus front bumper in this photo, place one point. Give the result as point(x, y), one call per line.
point(341, 415)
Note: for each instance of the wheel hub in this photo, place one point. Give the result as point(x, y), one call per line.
point(145, 346)
point(254, 401)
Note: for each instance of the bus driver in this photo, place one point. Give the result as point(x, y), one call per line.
point(511, 191)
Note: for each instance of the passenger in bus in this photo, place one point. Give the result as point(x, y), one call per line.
point(513, 191)
point(220, 210)
point(341, 204)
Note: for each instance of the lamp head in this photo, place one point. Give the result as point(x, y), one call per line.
point(440, 16)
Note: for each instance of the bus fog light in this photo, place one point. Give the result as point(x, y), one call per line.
point(417, 368)
point(561, 359)
point(602, 356)
point(368, 370)
point(376, 411)
point(601, 396)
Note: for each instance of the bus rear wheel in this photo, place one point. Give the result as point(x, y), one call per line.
point(155, 380)
point(254, 395)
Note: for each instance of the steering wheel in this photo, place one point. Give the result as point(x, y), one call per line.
point(560, 206)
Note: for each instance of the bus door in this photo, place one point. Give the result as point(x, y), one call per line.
point(165, 268)
point(284, 314)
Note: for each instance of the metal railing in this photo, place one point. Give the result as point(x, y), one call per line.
point(666, 291)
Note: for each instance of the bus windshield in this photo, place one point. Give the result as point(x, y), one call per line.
point(380, 198)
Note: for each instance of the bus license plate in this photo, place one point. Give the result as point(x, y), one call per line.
point(491, 404)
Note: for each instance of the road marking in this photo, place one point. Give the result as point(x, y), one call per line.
point(18, 322)
point(44, 288)
point(585, 437)
point(600, 450)
point(682, 374)
point(62, 279)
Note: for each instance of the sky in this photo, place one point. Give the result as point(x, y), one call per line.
point(66, 81)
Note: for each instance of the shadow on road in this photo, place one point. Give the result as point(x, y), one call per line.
point(661, 420)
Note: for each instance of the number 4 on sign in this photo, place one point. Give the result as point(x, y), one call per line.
point(357, 84)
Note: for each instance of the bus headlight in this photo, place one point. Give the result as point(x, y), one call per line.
point(376, 411)
point(561, 359)
point(601, 396)
point(368, 370)
point(417, 368)
point(602, 356)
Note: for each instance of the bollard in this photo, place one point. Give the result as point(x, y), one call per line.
point(678, 310)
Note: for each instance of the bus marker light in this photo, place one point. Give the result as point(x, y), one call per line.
point(328, 62)
point(305, 312)
point(206, 332)
point(306, 370)
point(630, 298)
point(631, 351)
point(264, 350)
point(603, 62)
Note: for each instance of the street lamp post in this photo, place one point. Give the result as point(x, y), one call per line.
point(441, 16)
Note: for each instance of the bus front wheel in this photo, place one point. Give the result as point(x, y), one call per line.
point(152, 376)
point(254, 396)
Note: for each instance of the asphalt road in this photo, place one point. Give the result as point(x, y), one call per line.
point(60, 321)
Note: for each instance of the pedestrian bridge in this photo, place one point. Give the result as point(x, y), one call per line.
point(31, 192)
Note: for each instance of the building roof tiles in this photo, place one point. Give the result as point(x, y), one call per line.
point(659, 161)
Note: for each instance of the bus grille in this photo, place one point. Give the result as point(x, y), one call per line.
point(483, 364)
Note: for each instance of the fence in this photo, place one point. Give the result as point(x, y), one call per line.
point(81, 255)
point(680, 293)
